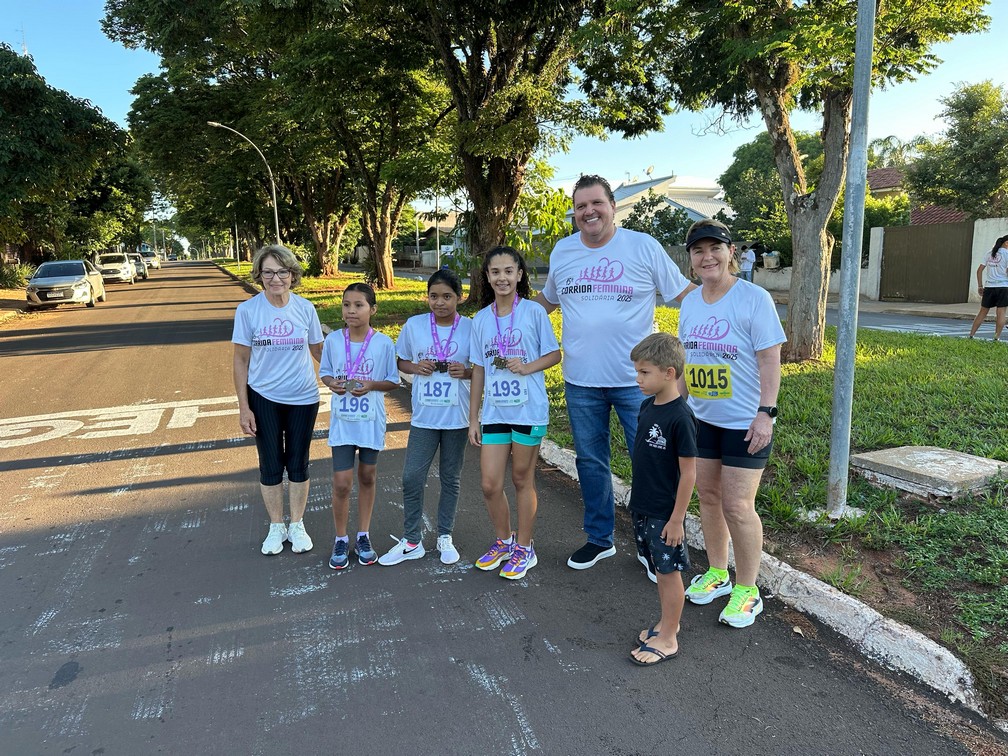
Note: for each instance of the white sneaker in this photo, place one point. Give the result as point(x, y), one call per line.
point(299, 539)
point(275, 538)
point(449, 554)
point(401, 552)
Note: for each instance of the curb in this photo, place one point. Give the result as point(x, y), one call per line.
point(880, 638)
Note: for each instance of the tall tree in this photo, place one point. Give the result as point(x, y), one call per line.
point(508, 68)
point(750, 56)
point(967, 167)
point(51, 145)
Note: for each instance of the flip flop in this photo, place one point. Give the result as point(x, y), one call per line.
point(650, 634)
point(653, 632)
point(651, 650)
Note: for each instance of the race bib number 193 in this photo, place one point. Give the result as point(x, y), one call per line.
point(709, 381)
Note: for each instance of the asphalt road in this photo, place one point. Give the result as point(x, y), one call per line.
point(140, 617)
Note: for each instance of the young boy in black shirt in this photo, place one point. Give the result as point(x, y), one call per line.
point(664, 472)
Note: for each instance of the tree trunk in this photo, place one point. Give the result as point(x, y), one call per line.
point(808, 211)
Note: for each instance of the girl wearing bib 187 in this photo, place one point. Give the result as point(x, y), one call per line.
point(358, 364)
point(512, 343)
point(732, 336)
point(434, 349)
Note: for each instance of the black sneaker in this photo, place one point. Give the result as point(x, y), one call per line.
point(588, 555)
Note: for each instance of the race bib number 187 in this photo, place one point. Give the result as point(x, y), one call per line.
point(709, 381)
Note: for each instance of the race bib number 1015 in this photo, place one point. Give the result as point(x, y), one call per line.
point(709, 381)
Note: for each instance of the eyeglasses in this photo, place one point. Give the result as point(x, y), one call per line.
point(283, 275)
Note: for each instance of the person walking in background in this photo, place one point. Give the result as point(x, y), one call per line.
point(358, 366)
point(276, 335)
point(732, 336)
point(604, 280)
point(995, 293)
point(434, 348)
point(747, 259)
point(512, 344)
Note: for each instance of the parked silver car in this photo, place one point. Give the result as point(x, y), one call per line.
point(65, 282)
point(143, 273)
point(116, 266)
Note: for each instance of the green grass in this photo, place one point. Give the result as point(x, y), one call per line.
point(908, 390)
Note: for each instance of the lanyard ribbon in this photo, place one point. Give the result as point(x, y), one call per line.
point(353, 367)
point(441, 350)
point(500, 342)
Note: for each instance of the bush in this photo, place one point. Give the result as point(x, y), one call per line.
point(15, 276)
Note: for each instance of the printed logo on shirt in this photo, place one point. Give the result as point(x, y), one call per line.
point(655, 439)
point(430, 353)
point(277, 336)
point(708, 338)
point(364, 371)
point(512, 338)
point(599, 282)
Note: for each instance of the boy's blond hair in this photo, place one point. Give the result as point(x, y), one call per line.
point(661, 349)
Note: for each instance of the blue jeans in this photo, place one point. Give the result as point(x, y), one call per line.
point(589, 411)
point(420, 449)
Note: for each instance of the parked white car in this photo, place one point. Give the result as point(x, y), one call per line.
point(116, 266)
point(65, 282)
point(152, 258)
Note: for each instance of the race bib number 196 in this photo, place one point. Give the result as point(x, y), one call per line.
point(709, 381)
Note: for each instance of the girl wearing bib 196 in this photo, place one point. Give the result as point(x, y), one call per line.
point(434, 348)
point(732, 336)
point(512, 344)
point(358, 364)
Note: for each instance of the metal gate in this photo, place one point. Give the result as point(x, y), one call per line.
point(927, 263)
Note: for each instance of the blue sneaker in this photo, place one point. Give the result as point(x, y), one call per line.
point(365, 554)
point(339, 560)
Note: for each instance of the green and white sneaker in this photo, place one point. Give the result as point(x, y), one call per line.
point(705, 588)
point(743, 606)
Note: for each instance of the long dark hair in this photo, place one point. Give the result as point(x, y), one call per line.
point(997, 246)
point(523, 288)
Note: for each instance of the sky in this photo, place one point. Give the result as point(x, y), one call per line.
point(65, 40)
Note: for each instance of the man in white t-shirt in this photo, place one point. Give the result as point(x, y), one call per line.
point(747, 259)
point(604, 279)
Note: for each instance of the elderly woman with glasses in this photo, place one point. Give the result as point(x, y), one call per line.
point(276, 335)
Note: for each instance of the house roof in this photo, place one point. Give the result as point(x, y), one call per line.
point(928, 215)
point(700, 207)
point(885, 178)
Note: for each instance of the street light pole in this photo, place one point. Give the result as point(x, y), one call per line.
point(276, 217)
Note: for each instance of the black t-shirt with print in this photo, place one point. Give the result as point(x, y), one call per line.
point(665, 432)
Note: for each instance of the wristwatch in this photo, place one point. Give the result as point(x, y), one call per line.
point(772, 411)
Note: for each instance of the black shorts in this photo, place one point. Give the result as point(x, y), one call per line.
point(664, 558)
point(994, 296)
point(729, 446)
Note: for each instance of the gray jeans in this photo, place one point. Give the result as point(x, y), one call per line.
point(420, 449)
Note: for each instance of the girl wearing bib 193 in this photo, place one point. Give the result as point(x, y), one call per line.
point(732, 336)
point(512, 343)
point(358, 364)
point(434, 348)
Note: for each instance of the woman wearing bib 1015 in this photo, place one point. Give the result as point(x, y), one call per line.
point(434, 349)
point(358, 365)
point(512, 343)
point(732, 336)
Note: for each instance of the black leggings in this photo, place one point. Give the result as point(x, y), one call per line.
point(283, 438)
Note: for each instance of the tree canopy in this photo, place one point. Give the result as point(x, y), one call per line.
point(967, 166)
point(748, 56)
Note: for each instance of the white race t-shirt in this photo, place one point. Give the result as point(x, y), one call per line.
point(281, 367)
point(607, 300)
point(440, 402)
point(358, 421)
point(507, 397)
point(997, 275)
point(721, 341)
